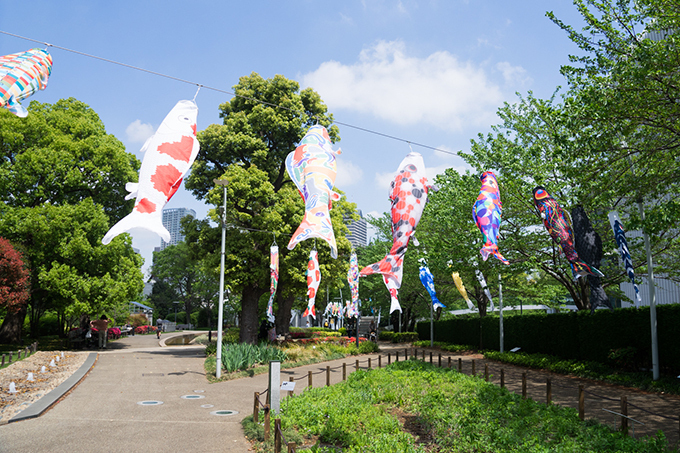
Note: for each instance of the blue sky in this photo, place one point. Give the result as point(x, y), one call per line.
point(431, 72)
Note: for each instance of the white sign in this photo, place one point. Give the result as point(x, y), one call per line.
point(515, 349)
point(287, 385)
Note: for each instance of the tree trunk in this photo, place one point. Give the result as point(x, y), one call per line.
point(10, 331)
point(283, 314)
point(249, 319)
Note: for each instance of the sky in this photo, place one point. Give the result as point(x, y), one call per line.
point(428, 72)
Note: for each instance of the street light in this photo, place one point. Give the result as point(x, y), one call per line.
point(218, 370)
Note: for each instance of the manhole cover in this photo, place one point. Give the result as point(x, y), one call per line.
point(223, 413)
point(192, 397)
point(150, 403)
point(207, 406)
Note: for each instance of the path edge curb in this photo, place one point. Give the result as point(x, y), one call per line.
point(39, 407)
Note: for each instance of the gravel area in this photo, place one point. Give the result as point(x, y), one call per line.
point(29, 392)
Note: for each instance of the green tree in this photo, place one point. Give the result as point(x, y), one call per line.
point(624, 88)
point(71, 271)
point(176, 269)
point(61, 154)
point(249, 150)
point(162, 297)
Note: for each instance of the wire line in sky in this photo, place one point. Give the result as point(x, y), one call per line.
point(230, 93)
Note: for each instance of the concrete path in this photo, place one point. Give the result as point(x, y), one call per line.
point(104, 412)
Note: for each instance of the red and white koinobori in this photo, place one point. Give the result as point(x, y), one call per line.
point(169, 154)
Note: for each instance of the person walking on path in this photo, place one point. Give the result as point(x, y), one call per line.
point(101, 324)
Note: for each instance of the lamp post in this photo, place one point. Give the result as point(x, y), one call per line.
point(218, 362)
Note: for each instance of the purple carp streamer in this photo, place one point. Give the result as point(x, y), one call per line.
point(487, 212)
point(21, 75)
point(313, 167)
point(274, 283)
point(622, 242)
point(428, 282)
point(558, 225)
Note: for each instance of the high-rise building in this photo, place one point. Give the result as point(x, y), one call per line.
point(357, 231)
point(171, 221)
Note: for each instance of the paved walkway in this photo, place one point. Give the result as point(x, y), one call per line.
point(104, 412)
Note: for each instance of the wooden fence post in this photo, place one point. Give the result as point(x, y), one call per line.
point(486, 372)
point(356, 365)
point(309, 379)
point(430, 358)
point(3, 360)
point(291, 392)
point(256, 408)
point(266, 423)
point(449, 362)
point(344, 371)
point(277, 435)
point(369, 363)
point(397, 356)
point(548, 392)
point(440, 360)
point(474, 373)
point(389, 357)
point(524, 386)
point(379, 361)
point(328, 375)
point(291, 447)
point(423, 355)
point(460, 364)
point(502, 378)
point(581, 403)
point(624, 411)
point(405, 353)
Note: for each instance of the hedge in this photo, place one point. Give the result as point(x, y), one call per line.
point(575, 335)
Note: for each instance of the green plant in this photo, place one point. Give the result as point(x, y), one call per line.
point(368, 347)
point(405, 337)
point(243, 355)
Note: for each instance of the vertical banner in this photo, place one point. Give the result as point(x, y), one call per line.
point(274, 273)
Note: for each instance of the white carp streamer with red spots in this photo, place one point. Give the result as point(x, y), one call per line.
point(169, 154)
point(408, 193)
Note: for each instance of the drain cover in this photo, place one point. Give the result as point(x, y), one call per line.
point(199, 391)
point(150, 403)
point(192, 397)
point(223, 413)
point(207, 406)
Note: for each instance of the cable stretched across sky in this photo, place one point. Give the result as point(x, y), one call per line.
point(230, 93)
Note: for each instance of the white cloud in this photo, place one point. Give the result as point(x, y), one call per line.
point(138, 132)
point(513, 75)
point(383, 180)
point(392, 85)
point(348, 173)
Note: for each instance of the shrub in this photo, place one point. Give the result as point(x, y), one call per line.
point(137, 320)
point(113, 333)
point(386, 335)
point(405, 337)
point(242, 356)
point(368, 347)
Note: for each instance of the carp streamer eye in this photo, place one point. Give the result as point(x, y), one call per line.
point(184, 119)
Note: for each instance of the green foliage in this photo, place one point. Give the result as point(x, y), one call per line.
point(137, 320)
point(242, 356)
point(577, 336)
point(459, 412)
point(588, 369)
point(229, 336)
point(368, 347)
point(444, 346)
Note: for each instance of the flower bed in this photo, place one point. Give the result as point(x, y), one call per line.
point(141, 330)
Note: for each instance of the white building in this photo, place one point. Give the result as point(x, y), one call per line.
point(357, 231)
point(171, 221)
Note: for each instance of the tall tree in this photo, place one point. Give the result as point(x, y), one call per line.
point(249, 150)
point(176, 268)
point(71, 271)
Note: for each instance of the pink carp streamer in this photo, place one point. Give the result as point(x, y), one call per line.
point(274, 273)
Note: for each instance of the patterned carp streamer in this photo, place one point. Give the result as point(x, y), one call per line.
point(313, 280)
point(622, 242)
point(428, 282)
point(21, 75)
point(408, 194)
point(485, 287)
point(559, 227)
point(461, 289)
point(312, 167)
point(168, 156)
point(353, 278)
point(487, 215)
point(274, 273)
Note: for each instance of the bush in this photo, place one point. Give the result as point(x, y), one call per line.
point(386, 335)
point(242, 356)
point(368, 347)
point(141, 330)
point(405, 337)
point(137, 320)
